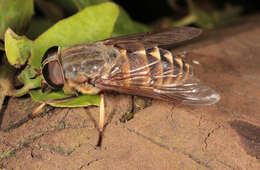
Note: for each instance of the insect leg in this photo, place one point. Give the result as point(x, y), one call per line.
point(101, 119)
point(37, 110)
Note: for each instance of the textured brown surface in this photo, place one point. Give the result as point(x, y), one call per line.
point(161, 136)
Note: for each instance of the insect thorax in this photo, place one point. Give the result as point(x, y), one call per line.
point(82, 64)
point(87, 60)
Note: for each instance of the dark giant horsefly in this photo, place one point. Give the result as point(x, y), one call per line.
point(133, 64)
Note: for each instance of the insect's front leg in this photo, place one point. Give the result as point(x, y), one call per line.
point(69, 89)
point(82, 87)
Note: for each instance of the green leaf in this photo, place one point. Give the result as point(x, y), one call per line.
point(91, 24)
point(39, 96)
point(17, 48)
point(124, 24)
point(59, 99)
point(15, 14)
point(196, 16)
point(27, 75)
point(204, 19)
point(79, 101)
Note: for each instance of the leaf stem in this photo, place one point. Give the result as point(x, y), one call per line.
point(191, 18)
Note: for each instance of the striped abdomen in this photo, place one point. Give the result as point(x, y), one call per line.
point(153, 67)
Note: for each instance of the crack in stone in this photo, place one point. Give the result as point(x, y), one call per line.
point(201, 117)
point(208, 135)
point(227, 165)
point(17, 124)
point(26, 119)
point(110, 118)
point(172, 121)
point(170, 148)
point(26, 142)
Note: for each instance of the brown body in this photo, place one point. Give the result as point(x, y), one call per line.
point(133, 64)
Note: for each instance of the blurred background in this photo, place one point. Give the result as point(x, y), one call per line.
point(156, 10)
point(155, 14)
point(206, 14)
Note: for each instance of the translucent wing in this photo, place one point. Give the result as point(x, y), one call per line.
point(164, 78)
point(167, 36)
point(192, 91)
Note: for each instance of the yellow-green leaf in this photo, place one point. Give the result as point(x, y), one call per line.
point(59, 99)
point(17, 48)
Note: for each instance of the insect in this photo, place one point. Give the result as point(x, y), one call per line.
point(134, 64)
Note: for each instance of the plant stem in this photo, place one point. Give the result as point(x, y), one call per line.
point(186, 20)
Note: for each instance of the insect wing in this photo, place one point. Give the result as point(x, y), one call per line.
point(165, 77)
point(169, 36)
point(192, 92)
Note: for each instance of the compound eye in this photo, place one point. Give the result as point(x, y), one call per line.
point(51, 69)
point(52, 73)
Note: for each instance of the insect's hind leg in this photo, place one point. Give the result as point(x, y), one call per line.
point(101, 119)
